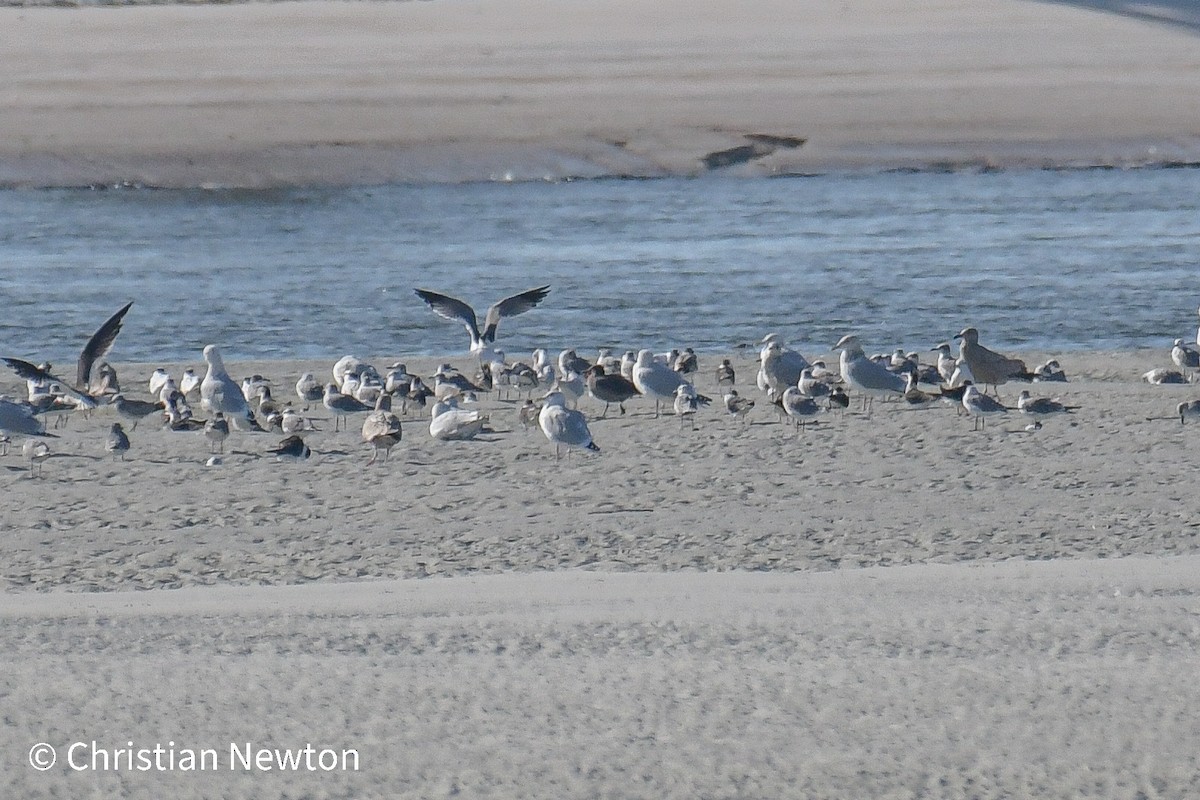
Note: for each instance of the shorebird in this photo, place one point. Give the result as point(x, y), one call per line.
point(96, 348)
point(219, 392)
point(341, 405)
point(1041, 406)
point(456, 310)
point(564, 426)
point(20, 418)
point(1184, 357)
point(381, 428)
point(686, 404)
point(655, 379)
point(216, 430)
point(135, 410)
point(1188, 409)
point(980, 406)
point(292, 448)
point(37, 453)
point(787, 367)
point(987, 366)
point(737, 406)
point(725, 373)
point(117, 442)
point(609, 389)
point(449, 422)
point(867, 377)
point(1161, 375)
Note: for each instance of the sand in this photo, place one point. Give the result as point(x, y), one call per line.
point(892, 607)
point(896, 606)
point(276, 94)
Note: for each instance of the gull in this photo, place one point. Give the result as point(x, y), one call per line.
point(685, 362)
point(737, 406)
point(725, 374)
point(219, 392)
point(1161, 376)
point(572, 387)
point(266, 403)
point(788, 366)
point(1050, 372)
point(37, 453)
point(980, 406)
point(251, 385)
point(117, 442)
point(528, 413)
point(457, 311)
point(609, 389)
point(914, 396)
point(135, 410)
point(341, 405)
point(568, 361)
point(686, 404)
point(216, 430)
point(190, 382)
point(166, 390)
point(158, 379)
point(179, 415)
point(798, 407)
point(655, 379)
point(381, 428)
point(1188, 409)
point(1183, 356)
point(104, 380)
point(96, 348)
point(291, 421)
point(810, 386)
point(871, 379)
point(1041, 406)
point(628, 362)
point(564, 426)
point(292, 448)
point(20, 418)
point(822, 372)
point(449, 422)
point(946, 363)
point(308, 390)
point(987, 366)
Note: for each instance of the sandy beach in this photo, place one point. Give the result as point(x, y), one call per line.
point(893, 606)
point(896, 606)
point(271, 94)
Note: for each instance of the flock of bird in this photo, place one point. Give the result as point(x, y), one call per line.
point(798, 390)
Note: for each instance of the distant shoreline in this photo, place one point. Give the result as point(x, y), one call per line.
point(328, 92)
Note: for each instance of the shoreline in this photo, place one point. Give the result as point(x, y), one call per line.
point(338, 93)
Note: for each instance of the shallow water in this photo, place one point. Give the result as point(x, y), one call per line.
point(1045, 260)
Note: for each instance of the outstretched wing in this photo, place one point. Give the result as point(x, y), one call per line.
point(452, 309)
point(510, 307)
point(98, 346)
point(32, 372)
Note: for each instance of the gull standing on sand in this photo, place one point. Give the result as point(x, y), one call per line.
point(797, 407)
point(341, 405)
point(117, 442)
point(1184, 357)
point(219, 392)
point(37, 453)
point(686, 404)
point(609, 389)
point(980, 406)
point(456, 310)
point(564, 426)
point(381, 429)
point(655, 379)
point(725, 374)
point(987, 366)
point(864, 375)
point(788, 366)
point(737, 406)
point(216, 430)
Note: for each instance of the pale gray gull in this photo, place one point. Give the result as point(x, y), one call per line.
point(866, 376)
point(564, 427)
point(980, 406)
point(456, 310)
point(1041, 406)
point(219, 392)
